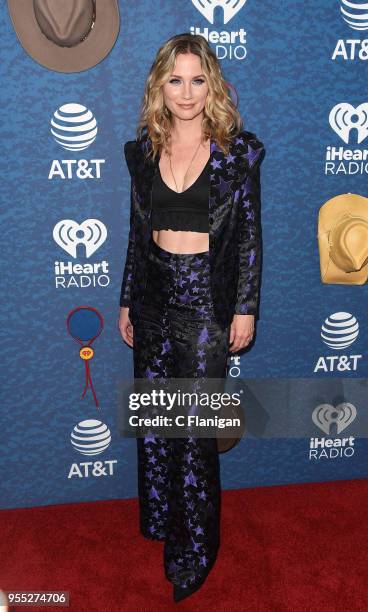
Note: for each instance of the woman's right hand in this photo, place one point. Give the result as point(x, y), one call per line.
point(125, 326)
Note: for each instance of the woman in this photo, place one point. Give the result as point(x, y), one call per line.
point(191, 281)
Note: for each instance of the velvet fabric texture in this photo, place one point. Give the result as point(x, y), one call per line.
point(177, 336)
point(235, 242)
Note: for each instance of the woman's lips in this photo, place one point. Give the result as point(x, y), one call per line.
point(186, 105)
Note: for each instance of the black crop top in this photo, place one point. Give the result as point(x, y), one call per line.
point(187, 210)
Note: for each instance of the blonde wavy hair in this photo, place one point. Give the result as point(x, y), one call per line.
point(221, 119)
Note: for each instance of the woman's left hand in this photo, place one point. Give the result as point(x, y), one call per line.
point(241, 332)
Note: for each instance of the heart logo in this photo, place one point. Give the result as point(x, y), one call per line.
point(343, 117)
point(207, 8)
point(92, 232)
point(325, 414)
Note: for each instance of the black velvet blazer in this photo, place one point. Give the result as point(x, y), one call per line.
point(235, 241)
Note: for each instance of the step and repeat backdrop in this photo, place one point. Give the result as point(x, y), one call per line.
point(296, 72)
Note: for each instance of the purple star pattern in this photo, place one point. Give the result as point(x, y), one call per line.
point(153, 493)
point(190, 479)
point(193, 276)
point(216, 164)
point(178, 336)
point(150, 438)
point(230, 158)
point(204, 336)
point(150, 373)
point(223, 186)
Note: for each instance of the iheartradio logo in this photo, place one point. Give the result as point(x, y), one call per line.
point(68, 234)
point(344, 117)
point(229, 7)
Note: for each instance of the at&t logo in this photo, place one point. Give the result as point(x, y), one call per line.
point(74, 128)
point(228, 44)
point(338, 332)
point(91, 437)
point(355, 15)
point(85, 469)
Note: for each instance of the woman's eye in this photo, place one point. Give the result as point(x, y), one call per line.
point(195, 81)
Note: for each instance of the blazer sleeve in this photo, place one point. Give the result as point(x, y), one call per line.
point(129, 259)
point(250, 237)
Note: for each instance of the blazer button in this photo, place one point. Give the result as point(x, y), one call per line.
point(211, 218)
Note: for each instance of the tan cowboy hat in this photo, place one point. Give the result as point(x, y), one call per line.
point(343, 240)
point(66, 35)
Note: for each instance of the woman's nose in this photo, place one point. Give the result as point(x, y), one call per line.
point(188, 91)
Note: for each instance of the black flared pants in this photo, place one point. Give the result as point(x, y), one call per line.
point(177, 336)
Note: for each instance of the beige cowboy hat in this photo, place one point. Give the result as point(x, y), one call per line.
point(343, 240)
point(66, 35)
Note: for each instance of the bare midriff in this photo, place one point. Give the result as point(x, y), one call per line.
point(181, 241)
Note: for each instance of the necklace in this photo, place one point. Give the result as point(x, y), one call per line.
point(187, 168)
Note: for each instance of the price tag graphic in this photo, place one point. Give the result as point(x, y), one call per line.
point(85, 324)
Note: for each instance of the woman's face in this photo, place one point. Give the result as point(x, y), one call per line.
point(186, 89)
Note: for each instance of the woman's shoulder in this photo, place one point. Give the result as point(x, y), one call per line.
point(133, 153)
point(247, 138)
point(248, 144)
point(134, 146)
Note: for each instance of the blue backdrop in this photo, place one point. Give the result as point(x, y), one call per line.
point(290, 65)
